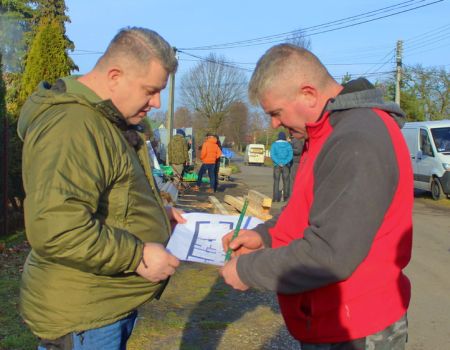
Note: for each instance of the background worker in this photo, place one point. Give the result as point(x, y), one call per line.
point(297, 148)
point(281, 154)
point(336, 253)
point(217, 168)
point(93, 215)
point(210, 152)
point(178, 152)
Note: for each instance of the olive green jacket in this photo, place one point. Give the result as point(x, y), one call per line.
point(178, 150)
point(90, 204)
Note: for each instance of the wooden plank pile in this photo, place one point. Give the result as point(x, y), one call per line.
point(258, 206)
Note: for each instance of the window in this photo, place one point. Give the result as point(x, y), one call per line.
point(425, 144)
point(441, 138)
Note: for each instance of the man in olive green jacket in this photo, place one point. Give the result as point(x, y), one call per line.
point(93, 216)
point(178, 152)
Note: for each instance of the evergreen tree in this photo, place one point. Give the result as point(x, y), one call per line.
point(47, 58)
point(54, 10)
point(15, 17)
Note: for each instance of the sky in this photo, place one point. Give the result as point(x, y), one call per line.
point(360, 49)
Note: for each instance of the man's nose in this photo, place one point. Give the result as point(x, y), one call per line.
point(275, 123)
point(155, 101)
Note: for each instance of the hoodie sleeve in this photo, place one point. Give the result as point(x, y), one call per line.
point(274, 154)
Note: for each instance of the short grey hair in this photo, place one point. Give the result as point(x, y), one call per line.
point(286, 61)
point(142, 45)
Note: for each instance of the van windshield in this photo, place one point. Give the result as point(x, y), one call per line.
point(441, 138)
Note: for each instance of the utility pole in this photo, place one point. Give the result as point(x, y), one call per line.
point(399, 71)
point(170, 111)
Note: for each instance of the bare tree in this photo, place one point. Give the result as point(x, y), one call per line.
point(260, 129)
point(182, 118)
point(211, 88)
point(236, 125)
point(300, 39)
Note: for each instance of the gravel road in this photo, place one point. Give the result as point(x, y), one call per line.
point(198, 311)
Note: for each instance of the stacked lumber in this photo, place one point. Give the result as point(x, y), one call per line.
point(258, 206)
point(218, 208)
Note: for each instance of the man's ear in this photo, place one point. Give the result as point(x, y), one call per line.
point(114, 75)
point(309, 95)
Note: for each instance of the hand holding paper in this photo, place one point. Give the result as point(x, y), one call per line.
point(200, 238)
point(246, 242)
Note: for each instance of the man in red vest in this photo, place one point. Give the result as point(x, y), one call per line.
point(335, 254)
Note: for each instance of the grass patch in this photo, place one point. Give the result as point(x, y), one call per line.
point(443, 203)
point(13, 239)
point(235, 168)
point(426, 197)
point(14, 334)
point(268, 162)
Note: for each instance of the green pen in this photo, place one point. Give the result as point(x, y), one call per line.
point(237, 229)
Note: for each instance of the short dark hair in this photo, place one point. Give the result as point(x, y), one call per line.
point(142, 45)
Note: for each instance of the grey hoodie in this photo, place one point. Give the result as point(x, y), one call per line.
point(323, 256)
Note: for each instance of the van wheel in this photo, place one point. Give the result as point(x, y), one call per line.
point(436, 189)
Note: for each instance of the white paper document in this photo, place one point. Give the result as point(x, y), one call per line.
point(200, 238)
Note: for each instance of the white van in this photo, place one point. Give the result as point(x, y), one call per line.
point(429, 148)
point(254, 154)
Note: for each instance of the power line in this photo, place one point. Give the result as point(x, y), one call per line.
point(421, 40)
point(254, 63)
point(269, 39)
point(337, 77)
point(315, 27)
point(412, 44)
point(427, 50)
point(428, 42)
point(382, 63)
point(435, 31)
point(223, 63)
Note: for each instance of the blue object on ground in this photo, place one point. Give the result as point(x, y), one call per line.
point(226, 152)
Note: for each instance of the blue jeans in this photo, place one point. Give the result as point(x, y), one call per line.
point(110, 337)
point(211, 173)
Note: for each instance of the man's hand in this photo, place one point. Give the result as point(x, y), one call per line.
point(157, 263)
point(246, 242)
point(231, 277)
point(175, 215)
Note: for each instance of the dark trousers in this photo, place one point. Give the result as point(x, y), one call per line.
point(293, 169)
point(393, 337)
point(283, 172)
point(216, 174)
point(211, 168)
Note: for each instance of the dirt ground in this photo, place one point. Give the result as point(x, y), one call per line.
point(198, 311)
